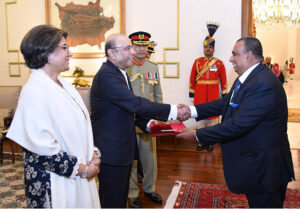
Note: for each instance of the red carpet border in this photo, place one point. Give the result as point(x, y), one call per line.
point(200, 195)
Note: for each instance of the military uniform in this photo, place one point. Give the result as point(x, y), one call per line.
point(206, 75)
point(151, 49)
point(292, 68)
point(145, 83)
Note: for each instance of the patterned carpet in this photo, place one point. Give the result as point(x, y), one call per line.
point(200, 195)
point(12, 185)
point(12, 193)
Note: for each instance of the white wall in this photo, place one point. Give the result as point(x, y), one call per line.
point(274, 44)
point(297, 55)
point(291, 43)
point(280, 45)
point(20, 17)
point(162, 24)
point(159, 17)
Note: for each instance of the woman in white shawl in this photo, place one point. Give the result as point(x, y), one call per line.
point(53, 126)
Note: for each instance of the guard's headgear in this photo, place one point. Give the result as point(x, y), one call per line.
point(212, 28)
point(151, 47)
point(140, 38)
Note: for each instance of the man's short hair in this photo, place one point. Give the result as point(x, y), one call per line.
point(253, 44)
point(109, 45)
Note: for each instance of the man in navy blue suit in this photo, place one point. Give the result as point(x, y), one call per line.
point(253, 133)
point(115, 112)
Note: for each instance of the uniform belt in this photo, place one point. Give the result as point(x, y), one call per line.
point(208, 82)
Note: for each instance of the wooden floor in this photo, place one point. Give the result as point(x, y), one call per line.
point(205, 167)
point(190, 165)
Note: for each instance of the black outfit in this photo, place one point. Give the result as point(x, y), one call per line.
point(253, 135)
point(281, 78)
point(115, 112)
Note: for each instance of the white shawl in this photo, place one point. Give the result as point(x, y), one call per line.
point(49, 119)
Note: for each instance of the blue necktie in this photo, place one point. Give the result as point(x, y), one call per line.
point(236, 88)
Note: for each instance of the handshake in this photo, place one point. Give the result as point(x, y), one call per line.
point(183, 112)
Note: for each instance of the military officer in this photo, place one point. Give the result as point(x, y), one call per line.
point(151, 49)
point(206, 75)
point(144, 77)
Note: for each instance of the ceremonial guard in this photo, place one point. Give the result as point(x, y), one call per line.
point(292, 68)
point(207, 74)
point(144, 78)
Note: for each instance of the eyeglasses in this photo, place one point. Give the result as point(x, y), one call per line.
point(127, 48)
point(64, 47)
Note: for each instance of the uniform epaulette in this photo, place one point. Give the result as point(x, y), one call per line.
point(218, 59)
point(151, 62)
point(198, 58)
point(129, 71)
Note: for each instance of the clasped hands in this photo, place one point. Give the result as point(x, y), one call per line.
point(93, 167)
point(183, 112)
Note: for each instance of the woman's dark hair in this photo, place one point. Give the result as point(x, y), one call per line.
point(38, 43)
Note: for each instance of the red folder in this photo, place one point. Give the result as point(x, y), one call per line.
point(166, 129)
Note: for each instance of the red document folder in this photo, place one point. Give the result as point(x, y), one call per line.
point(166, 129)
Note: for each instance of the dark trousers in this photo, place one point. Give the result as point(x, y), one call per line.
point(140, 171)
point(268, 199)
point(113, 185)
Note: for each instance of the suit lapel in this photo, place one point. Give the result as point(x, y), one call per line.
point(117, 71)
point(256, 70)
point(227, 111)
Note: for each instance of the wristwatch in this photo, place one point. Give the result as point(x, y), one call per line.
point(97, 152)
point(85, 172)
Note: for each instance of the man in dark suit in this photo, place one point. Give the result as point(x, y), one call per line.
point(268, 63)
point(115, 112)
point(253, 132)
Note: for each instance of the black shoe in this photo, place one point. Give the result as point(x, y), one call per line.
point(200, 148)
point(210, 148)
point(134, 202)
point(155, 197)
